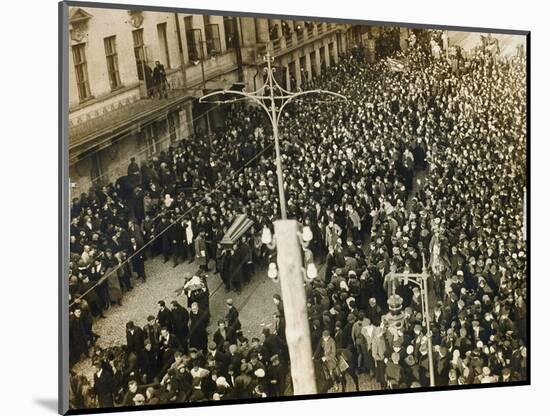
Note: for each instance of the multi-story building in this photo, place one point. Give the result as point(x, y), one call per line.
point(111, 114)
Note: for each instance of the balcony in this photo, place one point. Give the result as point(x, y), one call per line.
point(294, 40)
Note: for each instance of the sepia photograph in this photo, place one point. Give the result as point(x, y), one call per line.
point(265, 207)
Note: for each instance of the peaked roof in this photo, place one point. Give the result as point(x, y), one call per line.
point(79, 15)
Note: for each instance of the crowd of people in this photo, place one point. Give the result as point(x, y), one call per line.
point(425, 162)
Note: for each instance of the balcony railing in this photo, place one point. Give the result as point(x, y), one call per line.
point(297, 38)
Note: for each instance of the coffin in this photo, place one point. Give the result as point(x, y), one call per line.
point(240, 226)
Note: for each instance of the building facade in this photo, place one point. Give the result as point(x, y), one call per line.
point(112, 115)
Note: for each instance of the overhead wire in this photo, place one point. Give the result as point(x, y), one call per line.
point(215, 189)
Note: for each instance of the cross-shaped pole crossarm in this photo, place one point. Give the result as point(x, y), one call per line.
point(256, 98)
point(411, 276)
point(289, 98)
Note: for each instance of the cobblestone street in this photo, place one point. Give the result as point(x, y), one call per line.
point(254, 303)
point(164, 283)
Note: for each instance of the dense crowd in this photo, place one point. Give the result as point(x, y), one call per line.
point(429, 161)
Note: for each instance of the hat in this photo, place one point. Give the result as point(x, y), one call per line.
point(260, 373)
point(409, 360)
point(229, 301)
point(274, 358)
point(138, 398)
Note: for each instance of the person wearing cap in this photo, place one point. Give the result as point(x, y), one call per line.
point(326, 352)
point(133, 391)
point(219, 356)
point(272, 344)
point(151, 331)
point(103, 386)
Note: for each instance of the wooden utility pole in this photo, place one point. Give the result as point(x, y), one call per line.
point(289, 262)
point(289, 250)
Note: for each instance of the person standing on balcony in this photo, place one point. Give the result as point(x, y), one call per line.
point(159, 80)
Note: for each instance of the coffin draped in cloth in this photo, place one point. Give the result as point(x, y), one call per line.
point(240, 226)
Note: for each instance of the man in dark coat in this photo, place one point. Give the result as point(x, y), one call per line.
point(275, 377)
point(164, 316)
point(225, 268)
point(176, 241)
point(147, 362)
point(180, 324)
point(168, 344)
point(78, 336)
point(273, 345)
point(236, 268)
point(441, 367)
point(233, 323)
point(198, 337)
point(134, 338)
point(151, 331)
point(164, 237)
point(103, 385)
point(159, 80)
point(137, 258)
point(221, 358)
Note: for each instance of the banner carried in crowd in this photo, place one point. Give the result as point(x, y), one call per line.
point(396, 65)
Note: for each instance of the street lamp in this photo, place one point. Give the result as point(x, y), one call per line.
point(289, 269)
point(395, 301)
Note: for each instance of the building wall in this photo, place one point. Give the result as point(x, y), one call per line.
point(107, 164)
point(105, 23)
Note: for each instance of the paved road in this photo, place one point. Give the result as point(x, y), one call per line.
point(255, 303)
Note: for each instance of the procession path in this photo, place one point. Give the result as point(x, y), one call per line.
point(254, 303)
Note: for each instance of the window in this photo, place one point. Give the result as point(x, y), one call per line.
point(150, 139)
point(112, 62)
point(273, 29)
point(173, 126)
point(213, 45)
point(194, 44)
point(313, 63)
point(81, 72)
point(163, 44)
point(194, 39)
point(230, 32)
point(139, 52)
